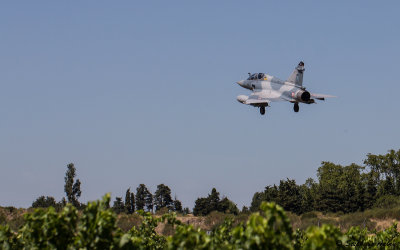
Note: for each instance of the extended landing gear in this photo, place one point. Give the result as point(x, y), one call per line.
point(296, 107)
point(262, 110)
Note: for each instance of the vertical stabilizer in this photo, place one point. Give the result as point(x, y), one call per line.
point(297, 76)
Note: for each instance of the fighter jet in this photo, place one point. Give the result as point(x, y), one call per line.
point(267, 89)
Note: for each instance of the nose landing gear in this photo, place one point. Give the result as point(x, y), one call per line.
point(262, 110)
point(296, 107)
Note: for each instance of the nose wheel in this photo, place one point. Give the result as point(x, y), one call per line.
point(262, 110)
point(296, 107)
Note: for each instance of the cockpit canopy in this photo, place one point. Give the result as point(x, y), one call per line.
point(256, 76)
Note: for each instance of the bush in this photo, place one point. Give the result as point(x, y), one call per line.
point(356, 219)
point(325, 237)
point(214, 219)
point(127, 221)
point(387, 201)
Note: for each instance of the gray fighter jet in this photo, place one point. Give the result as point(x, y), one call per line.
point(267, 89)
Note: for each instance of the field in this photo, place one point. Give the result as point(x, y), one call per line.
point(98, 227)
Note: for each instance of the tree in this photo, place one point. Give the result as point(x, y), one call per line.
point(352, 188)
point(42, 201)
point(256, 201)
point(144, 199)
point(307, 192)
point(129, 201)
point(204, 206)
point(201, 207)
point(149, 201)
point(227, 206)
point(118, 206)
point(329, 197)
point(213, 200)
point(371, 189)
point(177, 205)
point(186, 210)
point(141, 192)
point(388, 167)
point(270, 194)
point(162, 197)
point(289, 196)
point(72, 188)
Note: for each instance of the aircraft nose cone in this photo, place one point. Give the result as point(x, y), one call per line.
point(240, 82)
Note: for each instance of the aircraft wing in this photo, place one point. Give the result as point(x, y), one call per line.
point(321, 96)
point(264, 96)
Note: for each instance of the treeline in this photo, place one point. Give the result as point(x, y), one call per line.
point(146, 201)
point(340, 188)
point(161, 201)
point(142, 200)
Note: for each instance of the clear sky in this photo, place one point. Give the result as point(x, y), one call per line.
point(144, 92)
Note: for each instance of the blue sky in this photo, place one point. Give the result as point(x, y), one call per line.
point(145, 92)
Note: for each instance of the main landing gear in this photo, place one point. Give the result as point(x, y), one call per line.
point(296, 107)
point(262, 110)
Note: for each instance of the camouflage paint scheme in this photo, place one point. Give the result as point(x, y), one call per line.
point(268, 89)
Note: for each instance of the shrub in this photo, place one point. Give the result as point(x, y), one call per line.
point(215, 219)
point(126, 221)
point(356, 219)
point(387, 201)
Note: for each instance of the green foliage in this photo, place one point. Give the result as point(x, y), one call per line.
point(72, 188)
point(178, 206)
point(270, 194)
point(325, 237)
point(129, 202)
point(269, 229)
point(145, 237)
point(47, 229)
point(339, 188)
point(3, 218)
point(204, 206)
point(387, 201)
point(8, 239)
point(119, 206)
point(42, 201)
point(95, 228)
point(227, 206)
point(144, 199)
point(289, 196)
point(162, 197)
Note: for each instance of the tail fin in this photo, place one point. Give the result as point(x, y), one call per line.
point(297, 76)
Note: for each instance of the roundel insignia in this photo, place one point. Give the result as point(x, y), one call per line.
point(292, 94)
